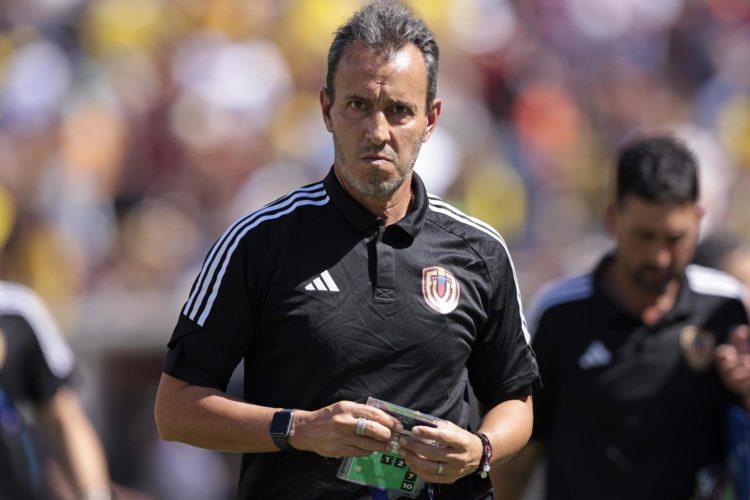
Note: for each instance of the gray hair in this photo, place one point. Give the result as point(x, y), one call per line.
point(386, 26)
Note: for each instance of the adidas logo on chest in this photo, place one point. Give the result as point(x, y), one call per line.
point(322, 283)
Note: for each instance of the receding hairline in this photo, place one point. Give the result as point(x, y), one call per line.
point(386, 26)
point(353, 52)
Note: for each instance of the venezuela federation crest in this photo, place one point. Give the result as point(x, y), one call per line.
point(697, 346)
point(440, 289)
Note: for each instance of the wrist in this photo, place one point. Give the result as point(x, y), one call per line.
point(295, 432)
point(281, 427)
point(484, 462)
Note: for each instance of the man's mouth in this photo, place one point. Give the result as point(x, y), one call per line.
point(373, 158)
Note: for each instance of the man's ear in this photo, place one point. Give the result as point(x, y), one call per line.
point(432, 118)
point(325, 107)
point(700, 211)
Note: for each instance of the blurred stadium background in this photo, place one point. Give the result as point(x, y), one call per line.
point(133, 131)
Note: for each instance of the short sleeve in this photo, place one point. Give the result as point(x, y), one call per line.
point(502, 364)
point(217, 322)
point(45, 360)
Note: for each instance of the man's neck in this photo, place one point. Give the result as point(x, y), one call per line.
point(391, 209)
point(650, 307)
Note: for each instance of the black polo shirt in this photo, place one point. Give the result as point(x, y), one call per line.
point(324, 304)
point(35, 360)
point(629, 410)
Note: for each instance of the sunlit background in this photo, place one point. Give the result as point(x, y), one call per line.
point(132, 132)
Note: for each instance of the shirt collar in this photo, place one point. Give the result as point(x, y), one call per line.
point(612, 309)
point(362, 219)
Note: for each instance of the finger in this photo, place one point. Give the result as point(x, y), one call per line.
point(369, 445)
point(430, 470)
point(425, 449)
point(376, 415)
point(437, 433)
point(726, 355)
point(739, 339)
point(446, 434)
point(372, 429)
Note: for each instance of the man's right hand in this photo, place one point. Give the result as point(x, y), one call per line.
point(332, 431)
point(733, 359)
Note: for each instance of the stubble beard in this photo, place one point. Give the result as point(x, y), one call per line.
point(374, 185)
point(653, 287)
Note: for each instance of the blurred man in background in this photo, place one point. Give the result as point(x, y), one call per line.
point(51, 446)
point(635, 391)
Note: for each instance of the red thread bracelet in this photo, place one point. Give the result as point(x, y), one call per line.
point(484, 462)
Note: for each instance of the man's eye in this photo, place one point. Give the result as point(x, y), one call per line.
point(357, 104)
point(400, 110)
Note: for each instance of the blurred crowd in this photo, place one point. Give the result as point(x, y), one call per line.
point(132, 132)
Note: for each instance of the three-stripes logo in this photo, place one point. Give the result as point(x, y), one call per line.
point(322, 283)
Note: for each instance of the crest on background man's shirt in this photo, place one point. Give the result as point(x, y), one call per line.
point(697, 346)
point(440, 289)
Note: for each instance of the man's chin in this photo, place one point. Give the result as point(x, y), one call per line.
point(653, 286)
point(380, 189)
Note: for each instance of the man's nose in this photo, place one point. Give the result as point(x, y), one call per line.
point(378, 128)
point(663, 257)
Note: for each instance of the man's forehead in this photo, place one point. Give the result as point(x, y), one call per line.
point(636, 203)
point(361, 58)
point(658, 217)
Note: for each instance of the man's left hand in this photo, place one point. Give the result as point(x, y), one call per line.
point(442, 454)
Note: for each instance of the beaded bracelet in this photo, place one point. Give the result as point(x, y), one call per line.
point(484, 462)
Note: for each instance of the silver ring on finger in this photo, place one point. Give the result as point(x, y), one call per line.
point(361, 424)
point(440, 468)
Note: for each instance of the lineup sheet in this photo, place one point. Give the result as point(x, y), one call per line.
point(387, 470)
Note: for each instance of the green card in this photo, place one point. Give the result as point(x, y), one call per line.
point(382, 470)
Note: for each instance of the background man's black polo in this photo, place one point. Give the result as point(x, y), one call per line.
point(628, 404)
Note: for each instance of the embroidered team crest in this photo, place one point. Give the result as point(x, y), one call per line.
point(698, 347)
point(440, 289)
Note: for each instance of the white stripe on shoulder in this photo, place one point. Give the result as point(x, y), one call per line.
point(711, 281)
point(20, 300)
point(559, 292)
point(219, 248)
point(439, 206)
point(207, 284)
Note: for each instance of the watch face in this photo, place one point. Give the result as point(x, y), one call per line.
point(282, 421)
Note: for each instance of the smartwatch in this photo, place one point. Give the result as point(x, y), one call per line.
point(280, 427)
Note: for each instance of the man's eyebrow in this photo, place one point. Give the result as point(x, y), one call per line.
point(398, 102)
point(390, 101)
point(358, 97)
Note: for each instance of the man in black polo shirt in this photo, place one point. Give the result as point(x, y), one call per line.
point(360, 285)
point(633, 400)
point(36, 367)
